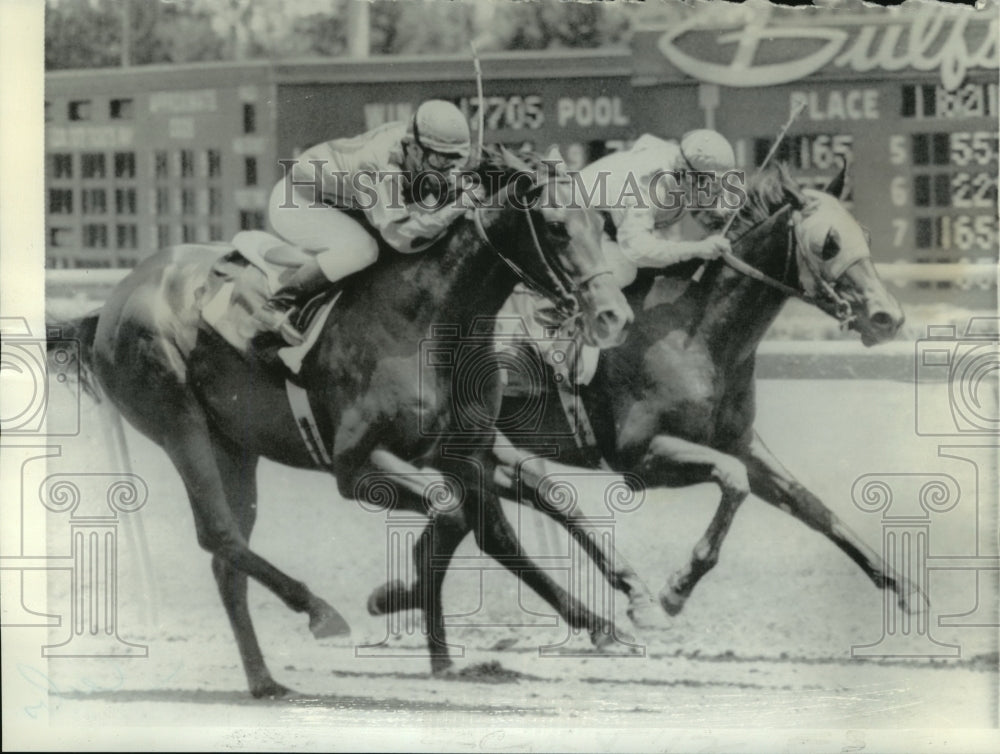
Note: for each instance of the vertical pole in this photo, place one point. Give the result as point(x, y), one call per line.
point(359, 28)
point(126, 33)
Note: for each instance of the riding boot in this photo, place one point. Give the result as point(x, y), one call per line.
point(276, 312)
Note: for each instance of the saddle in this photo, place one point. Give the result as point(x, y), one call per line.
point(241, 281)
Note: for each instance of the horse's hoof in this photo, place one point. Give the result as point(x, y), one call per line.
point(391, 597)
point(672, 602)
point(325, 622)
point(270, 689)
point(645, 616)
point(610, 640)
point(441, 666)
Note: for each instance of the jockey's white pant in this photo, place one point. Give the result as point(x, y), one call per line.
point(340, 243)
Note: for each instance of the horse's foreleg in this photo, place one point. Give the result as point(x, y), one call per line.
point(496, 537)
point(431, 554)
point(532, 472)
point(671, 459)
point(774, 484)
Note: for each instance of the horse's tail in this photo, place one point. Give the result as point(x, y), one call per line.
point(78, 334)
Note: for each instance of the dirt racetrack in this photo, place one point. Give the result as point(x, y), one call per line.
point(764, 642)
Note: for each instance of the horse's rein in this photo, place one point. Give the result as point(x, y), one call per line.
point(562, 292)
point(842, 308)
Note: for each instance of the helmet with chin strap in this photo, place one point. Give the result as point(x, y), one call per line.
point(439, 126)
point(707, 150)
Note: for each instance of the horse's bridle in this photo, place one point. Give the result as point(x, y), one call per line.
point(557, 287)
point(840, 306)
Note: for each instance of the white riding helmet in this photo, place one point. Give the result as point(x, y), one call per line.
point(707, 150)
point(440, 126)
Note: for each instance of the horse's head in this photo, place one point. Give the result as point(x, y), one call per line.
point(835, 266)
point(554, 246)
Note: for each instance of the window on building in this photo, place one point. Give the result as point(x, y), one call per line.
point(250, 171)
point(94, 201)
point(124, 164)
point(79, 109)
point(161, 164)
point(121, 109)
point(187, 163)
point(92, 165)
point(95, 236)
point(48, 112)
point(162, 235)
point(249, 118)
point(62, 166)
point(188, 202)
point(214, 232)
point(127, 236)
point(214, 159)
point(61, 237)
point(214, 201)
point(251, 219)
point(162, 200)
point(125, 201)
point(61, 201)
point(189, 233)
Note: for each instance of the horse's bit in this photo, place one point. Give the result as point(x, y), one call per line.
point(558, 289)
point(842, 307)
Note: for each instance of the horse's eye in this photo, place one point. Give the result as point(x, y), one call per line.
point(558, 228)
point(831, 247)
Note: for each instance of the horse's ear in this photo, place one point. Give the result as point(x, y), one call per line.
point(555, 158)
point(838, 185)
point(791, 187)
point(513, 160)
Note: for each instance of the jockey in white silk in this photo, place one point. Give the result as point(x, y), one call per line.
point(651, 188)
point(651, 194)
point(373, 173)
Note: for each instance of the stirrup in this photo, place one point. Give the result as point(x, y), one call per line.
point(292, 336)
point(280, 322)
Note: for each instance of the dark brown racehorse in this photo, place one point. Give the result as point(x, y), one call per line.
point(378, 402)
point(675, 404)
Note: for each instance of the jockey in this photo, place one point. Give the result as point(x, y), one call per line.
point(643, 226)
point(650, 189)
point(372, 173)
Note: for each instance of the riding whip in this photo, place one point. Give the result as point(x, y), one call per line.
point(796, 111)
point(479, 93)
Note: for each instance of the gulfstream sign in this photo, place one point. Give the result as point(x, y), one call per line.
point(770, 49)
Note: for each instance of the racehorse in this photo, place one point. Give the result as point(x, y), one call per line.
point(675, 405)
point(380, 405)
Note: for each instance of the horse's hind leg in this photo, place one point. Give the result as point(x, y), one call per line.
point(196, 454)
point(239, 480)
point(775, 485)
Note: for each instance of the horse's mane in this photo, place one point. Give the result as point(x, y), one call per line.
point(498, 166)
point(766, 192)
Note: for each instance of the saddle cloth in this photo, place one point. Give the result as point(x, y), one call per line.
point(241, 281)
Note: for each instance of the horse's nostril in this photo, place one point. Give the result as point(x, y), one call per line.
point(609, 318)
point(883, 320)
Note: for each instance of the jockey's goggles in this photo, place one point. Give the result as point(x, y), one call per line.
point(439, 161)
